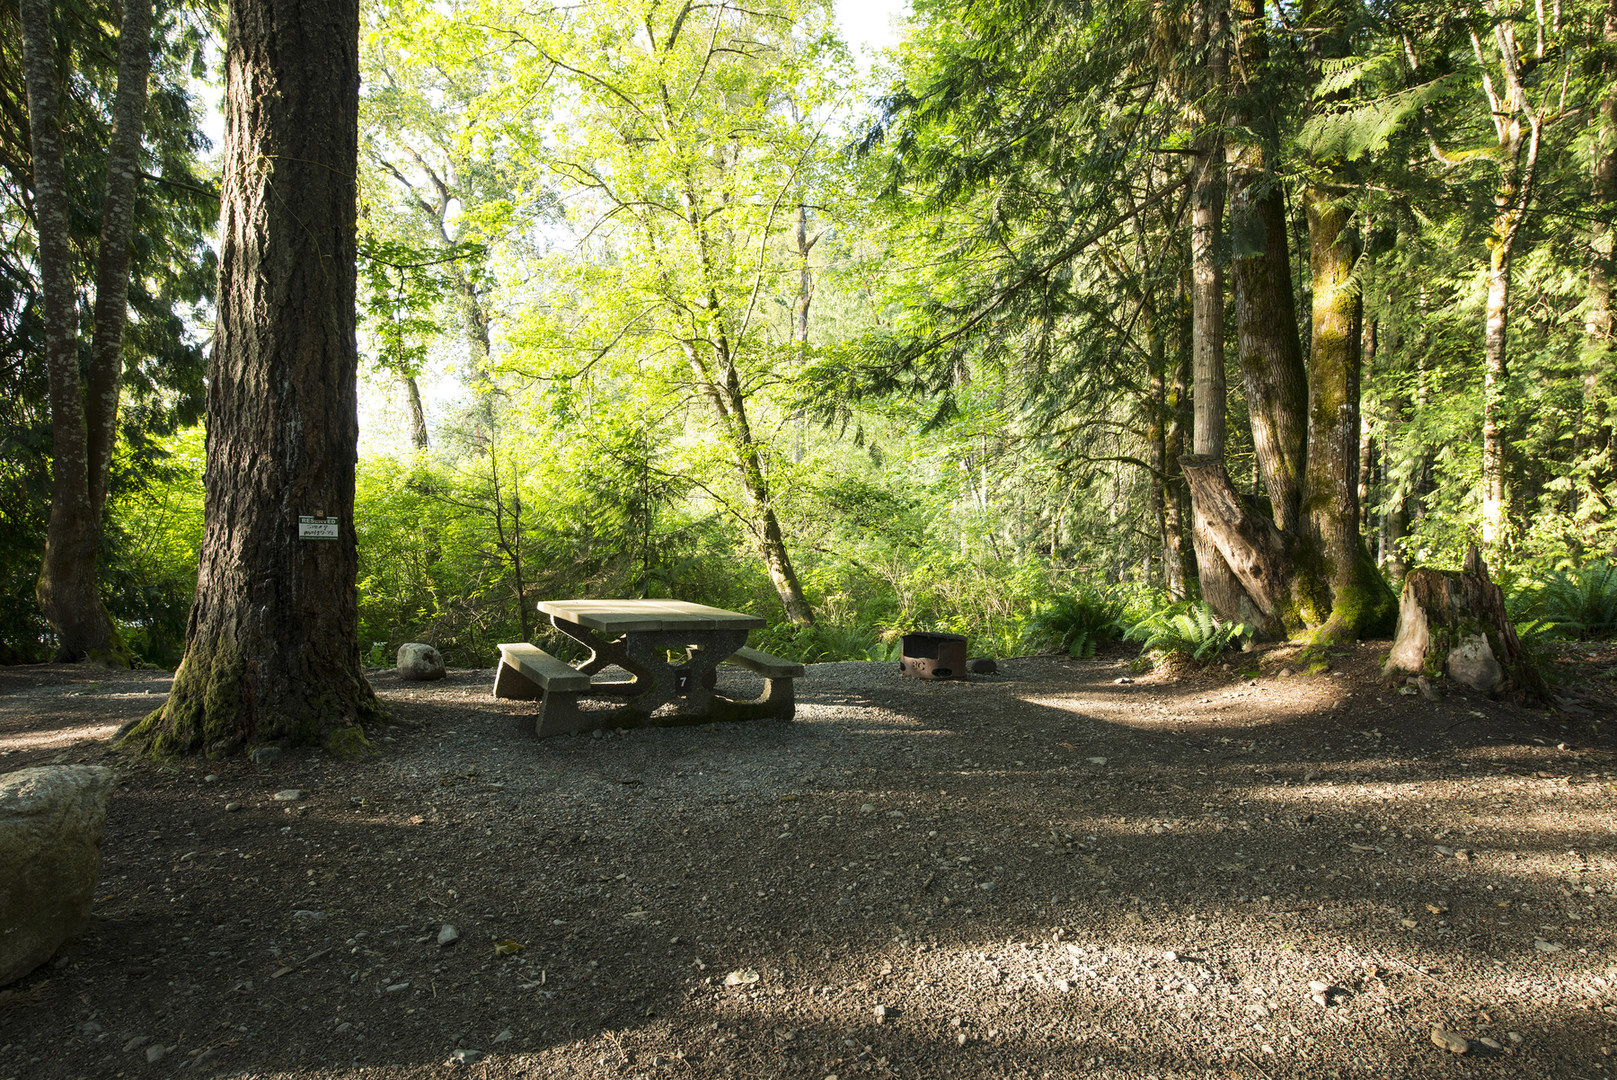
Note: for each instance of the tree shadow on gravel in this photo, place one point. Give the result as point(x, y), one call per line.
point(1052, 875)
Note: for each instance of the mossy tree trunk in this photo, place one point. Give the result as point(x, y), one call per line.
point(1303, 566)
point(1339, 589)
point(272, 651)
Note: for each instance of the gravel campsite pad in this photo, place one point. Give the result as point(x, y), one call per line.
point(1068, 869)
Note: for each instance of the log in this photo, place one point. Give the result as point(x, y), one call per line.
point(1454, 623)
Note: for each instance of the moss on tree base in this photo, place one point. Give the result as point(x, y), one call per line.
point(223, 702)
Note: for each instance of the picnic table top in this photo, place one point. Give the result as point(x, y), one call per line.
point(638, 616)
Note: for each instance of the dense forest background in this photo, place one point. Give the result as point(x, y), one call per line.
point(676, 300)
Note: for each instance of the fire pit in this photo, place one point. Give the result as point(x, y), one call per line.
point(933, 656)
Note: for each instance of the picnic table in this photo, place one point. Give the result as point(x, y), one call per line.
point(637, 635)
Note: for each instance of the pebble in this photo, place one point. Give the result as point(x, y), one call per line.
point(266, 755)
point(1490, 1044)
point(1286, 673)
point(232, 807)
point(1096, 760)
point(1513, 1036)
point(448, 935)
point(155, 1053)
point(880, 1013)
point(467, 1057)
point(1123, 680)
point(397, 987)
point(868, 808)
point(210, 778)
point(1449, 1041)
point(1546, 946)
point(344, 1028)
point(504, 1036)
point(136, 1043)
point(287, 795)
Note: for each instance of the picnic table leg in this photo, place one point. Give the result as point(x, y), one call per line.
point(603, 654)
point(559, 714)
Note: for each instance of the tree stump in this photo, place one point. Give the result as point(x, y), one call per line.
point(1454, 623)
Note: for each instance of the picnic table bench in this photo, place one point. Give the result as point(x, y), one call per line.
point(637, 635)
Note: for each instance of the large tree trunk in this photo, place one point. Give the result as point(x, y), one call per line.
point(1338, 588)
point(272, 650)
point(1270, 350)
point(1594, 435)
point(1219, 586)
point(1245, 543)
point(83, 434)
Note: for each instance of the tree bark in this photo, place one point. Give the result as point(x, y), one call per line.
point(1517, 156)
point(272, 650)
point(721, 384)
point(1495, 371)
point(418, 416)
point(1243, 541)
point(1455, 623)
point(1207, 301)
point(1337, 589)
point(1269, 348)
point(1594, 435)
point(83, 434)
point(1176, 569)
point(1221, 586)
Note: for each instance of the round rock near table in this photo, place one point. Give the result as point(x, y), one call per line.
point(51, 822)
point(420, 663)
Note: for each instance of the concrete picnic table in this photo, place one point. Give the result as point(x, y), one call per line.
point(637, 635)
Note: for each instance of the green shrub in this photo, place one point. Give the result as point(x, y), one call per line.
point(821, 643)
point(1188, 631)
point(1075, 624)
point(1579, 602)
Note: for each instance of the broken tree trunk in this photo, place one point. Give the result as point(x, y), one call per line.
point(1257, 589)
point(1454, 623)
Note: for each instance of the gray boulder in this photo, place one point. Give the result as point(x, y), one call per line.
point(51, 820)
point(420, 663)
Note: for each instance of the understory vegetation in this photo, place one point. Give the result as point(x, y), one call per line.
point(649, 309)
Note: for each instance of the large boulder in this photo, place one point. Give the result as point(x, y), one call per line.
point(420, 663)
point(51, 820)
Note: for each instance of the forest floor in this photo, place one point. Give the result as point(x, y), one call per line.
point(1050, 872)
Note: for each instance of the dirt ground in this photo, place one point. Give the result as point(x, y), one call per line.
point(1069, 869)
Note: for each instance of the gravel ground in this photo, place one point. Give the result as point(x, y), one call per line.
point(1065, 870)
